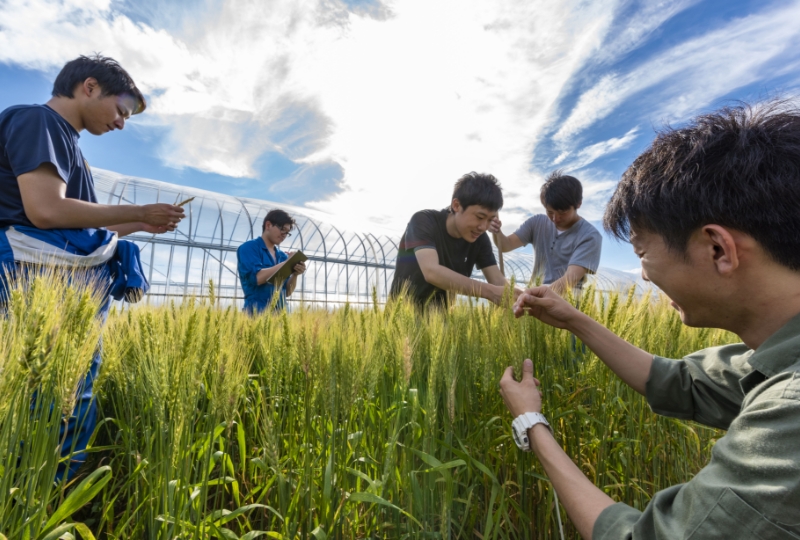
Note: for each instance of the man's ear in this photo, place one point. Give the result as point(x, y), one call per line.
point(723, 248)
point(455, 206)
point(578, 205)
point(90, 86)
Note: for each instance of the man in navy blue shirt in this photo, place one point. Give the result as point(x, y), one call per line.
point(260, 258)
point(46, 187)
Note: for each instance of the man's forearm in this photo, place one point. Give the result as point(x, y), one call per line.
point(447, 279)
point(124, 229)
point(502, 242)
point(559, 285)
point(583, 501)
point(264, 274)
point(77, 214)
point(630, 363)
point(571, 278)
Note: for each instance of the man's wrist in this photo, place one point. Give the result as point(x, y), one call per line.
point(575, 323)
point(537, 434)
point(495, 293)
point(139, 213)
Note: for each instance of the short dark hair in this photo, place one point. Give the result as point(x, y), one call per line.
point(279, 218)
point(478, 189)
point(112, 79)
point(561, 191)
point(738, 167)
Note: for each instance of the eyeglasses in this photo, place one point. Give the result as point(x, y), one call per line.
point(285, 234)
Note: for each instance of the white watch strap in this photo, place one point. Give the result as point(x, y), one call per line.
point(522, 424)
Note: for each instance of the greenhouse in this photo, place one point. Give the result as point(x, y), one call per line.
point(344, 266)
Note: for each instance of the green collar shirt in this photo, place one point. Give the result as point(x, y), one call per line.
point(751, 486)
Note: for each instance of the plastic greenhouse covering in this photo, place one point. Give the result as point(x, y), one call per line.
point(343, 267)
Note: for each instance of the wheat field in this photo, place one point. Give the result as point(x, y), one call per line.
point(374, 423)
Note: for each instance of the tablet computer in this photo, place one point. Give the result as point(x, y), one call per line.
point(286, 270)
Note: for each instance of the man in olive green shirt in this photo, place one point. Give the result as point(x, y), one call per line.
point(713, 211)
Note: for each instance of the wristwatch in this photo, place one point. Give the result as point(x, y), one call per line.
point(521, 425)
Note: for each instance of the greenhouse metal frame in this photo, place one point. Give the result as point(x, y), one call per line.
point(345, 266)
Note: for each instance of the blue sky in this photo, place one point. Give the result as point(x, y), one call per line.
point(369, 110)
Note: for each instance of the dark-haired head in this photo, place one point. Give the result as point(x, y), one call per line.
point(279, 218)
point(112, 79)
point(561, 192)
point(478, 189)
point(738, 167)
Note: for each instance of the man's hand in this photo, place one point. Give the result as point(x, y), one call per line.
point(124, 229)
point(545, 305)
point(494, 293)
point(162, 215)
point(299, 268)
point(153, 229)
point(583, 501)
point(495, 225)
point(524, 396)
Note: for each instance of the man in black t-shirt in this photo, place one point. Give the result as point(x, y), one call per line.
point(440, 248)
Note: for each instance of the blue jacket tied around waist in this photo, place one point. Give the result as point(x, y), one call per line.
point(116, 260)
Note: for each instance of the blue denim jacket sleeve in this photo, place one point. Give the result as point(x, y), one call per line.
point(248, 266)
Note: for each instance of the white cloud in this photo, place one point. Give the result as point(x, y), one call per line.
point(693, 74)
point(405, 96)
point(642, 19)
point(595, 151)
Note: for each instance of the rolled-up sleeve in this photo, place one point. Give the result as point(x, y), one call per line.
point(750, 489)
point(703, 387)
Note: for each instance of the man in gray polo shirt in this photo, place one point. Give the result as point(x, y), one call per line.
point(566, 247)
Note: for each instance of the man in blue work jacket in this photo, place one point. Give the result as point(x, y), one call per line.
point(49, 210)
point(260, 258)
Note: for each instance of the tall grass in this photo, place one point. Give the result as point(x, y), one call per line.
point(353, 424)
point(48, 335)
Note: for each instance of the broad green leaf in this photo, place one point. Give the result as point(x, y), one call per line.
point(365, 497)
point(427, 458)
point(256, 534)
point(227, 516)
point(449, 465)
point(84, 531)
point(58, 532)
point(82, 494)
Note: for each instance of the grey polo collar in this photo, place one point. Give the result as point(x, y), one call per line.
point(572, 230)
